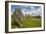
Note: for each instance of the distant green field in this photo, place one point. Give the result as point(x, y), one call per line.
point(29, 23)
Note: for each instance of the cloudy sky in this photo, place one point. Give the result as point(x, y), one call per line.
point(34, 10)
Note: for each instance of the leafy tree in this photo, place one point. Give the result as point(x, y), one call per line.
point(17, 15)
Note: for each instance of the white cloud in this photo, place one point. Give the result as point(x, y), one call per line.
point(32, 7)
point(37, 12)
point(32, 12)
point(24, 11)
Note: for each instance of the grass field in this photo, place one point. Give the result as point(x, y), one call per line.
point(29, 23)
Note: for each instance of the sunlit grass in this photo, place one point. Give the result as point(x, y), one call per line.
point(32, 22)
point(28, 22)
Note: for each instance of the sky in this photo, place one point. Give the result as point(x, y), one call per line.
point(34, 10)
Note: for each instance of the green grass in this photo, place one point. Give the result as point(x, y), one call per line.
point(29, 22)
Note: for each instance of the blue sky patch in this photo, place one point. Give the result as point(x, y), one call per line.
point(35, 10)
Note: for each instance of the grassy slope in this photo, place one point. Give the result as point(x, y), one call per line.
point(30, 22)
